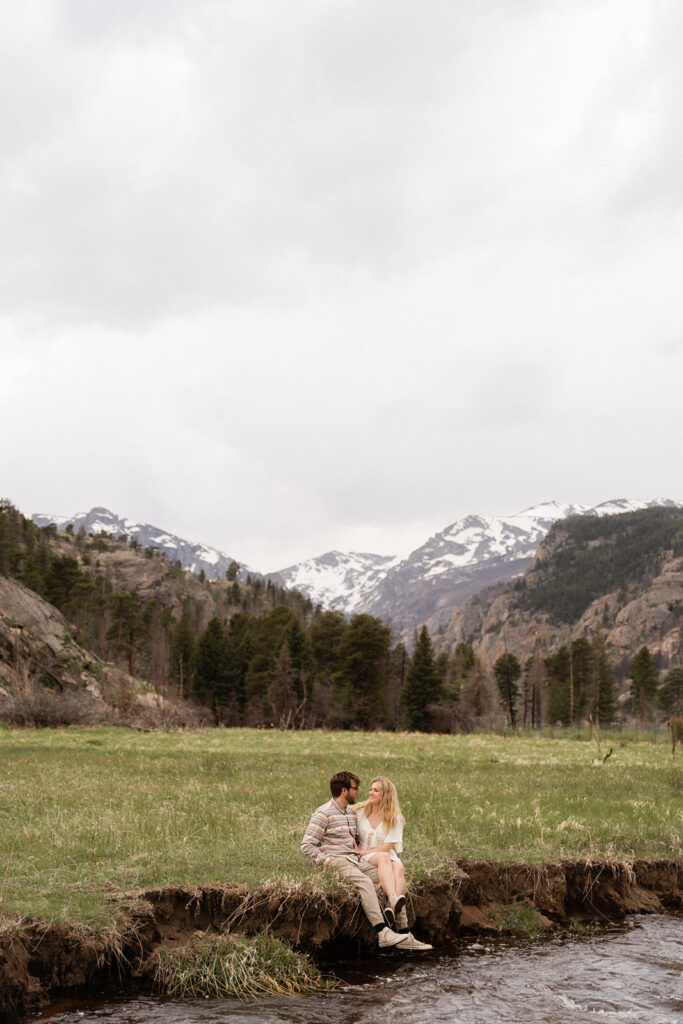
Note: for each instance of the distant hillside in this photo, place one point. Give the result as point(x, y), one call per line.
point(193, 556)
point(584, 559)
point(622, 574)
point(110, 624)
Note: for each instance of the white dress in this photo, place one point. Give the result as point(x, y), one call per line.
point(369, 836)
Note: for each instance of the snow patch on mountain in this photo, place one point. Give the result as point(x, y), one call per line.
point(339, 580)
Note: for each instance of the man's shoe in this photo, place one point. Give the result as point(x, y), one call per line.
point(411, 943)
point(388, 938)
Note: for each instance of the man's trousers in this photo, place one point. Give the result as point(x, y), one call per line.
point(363, 875)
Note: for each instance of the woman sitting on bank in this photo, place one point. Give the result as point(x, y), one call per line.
point(380, 840)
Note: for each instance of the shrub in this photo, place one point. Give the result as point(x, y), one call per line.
point(35, 705)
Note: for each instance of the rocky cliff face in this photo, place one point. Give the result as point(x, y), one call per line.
point(153, 578)
point(36, 642)
point(45, 675)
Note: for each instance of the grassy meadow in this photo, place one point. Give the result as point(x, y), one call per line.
point(86, 814)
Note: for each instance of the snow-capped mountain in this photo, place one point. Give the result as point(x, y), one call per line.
point(464, 558)
point(195, 557)
point(342, 581)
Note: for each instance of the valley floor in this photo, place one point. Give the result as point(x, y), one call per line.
point(114, 842)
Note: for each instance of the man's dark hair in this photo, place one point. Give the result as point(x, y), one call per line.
point(343, 780)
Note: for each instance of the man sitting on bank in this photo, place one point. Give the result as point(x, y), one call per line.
point(331, 840)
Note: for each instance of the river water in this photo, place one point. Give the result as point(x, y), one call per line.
point(632, 973)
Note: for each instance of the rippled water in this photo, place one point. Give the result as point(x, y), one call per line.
point(633, 973)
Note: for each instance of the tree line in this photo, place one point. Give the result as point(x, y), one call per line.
point(577, 682)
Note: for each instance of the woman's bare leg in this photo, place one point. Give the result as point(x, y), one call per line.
point(399, 877)
point(400, 887)
point(386, 876)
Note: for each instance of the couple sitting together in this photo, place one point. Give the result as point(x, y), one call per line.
point(362, 843)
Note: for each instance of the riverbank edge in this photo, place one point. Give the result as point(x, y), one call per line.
point(41, 960)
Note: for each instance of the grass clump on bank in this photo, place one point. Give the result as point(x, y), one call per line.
point(584, 928)
point(218, 966)
point(520, 919)
point(87, 814)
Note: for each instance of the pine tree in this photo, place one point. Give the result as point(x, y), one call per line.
point(266, 636)
point(301, 658)
point(240, 650)
point(463, 660)
point(507, 671)
point(211, 665)
point(365, 657)
point(643, 676)
point(327, 635)
point(534, 686)
point(62, 581)
point(158, 647)
point(602, 704)
point(582, 675)
point(127, 627)
point(281, 693)
point(422, 686)
point(557, 666)
point(183, 647)
point(670, 693)
point(479, 697)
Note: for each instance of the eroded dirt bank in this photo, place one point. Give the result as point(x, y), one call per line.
point(40, 961)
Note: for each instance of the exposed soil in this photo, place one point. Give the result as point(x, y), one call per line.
point(40, 961)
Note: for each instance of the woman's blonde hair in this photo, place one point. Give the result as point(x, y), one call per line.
point(389, 809)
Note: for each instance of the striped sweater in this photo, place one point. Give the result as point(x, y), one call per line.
point(332, 832)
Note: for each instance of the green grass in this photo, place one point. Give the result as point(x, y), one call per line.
point(219, 966)
point(88, 813)
point(520, 919)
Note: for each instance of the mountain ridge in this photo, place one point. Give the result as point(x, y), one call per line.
point(452, 565)
point(195, 557)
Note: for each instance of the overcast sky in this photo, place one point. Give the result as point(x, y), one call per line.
point(288, 277)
